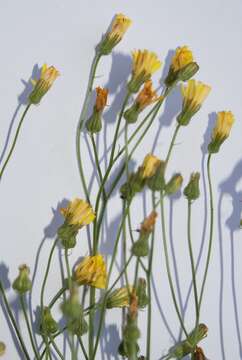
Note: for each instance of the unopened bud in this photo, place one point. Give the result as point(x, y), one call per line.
point(48, 324)
point(71, 308)
point(174, 184)
point(22, 283)
point(192, 191)
point(188, 71)
point(157, 181)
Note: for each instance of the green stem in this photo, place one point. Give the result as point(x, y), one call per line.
point(125, 247)
point(22, 302)
point(136, 273)
point(148, 276)
point(97, 163)
point(168, 265)
point(194, 282)
point(57, 296)
point(82, 120)
point(14, 324)
point(211, 230)
point(172, 143)
point(82, 347)
point(14, 141)
point(53, 343)
point(91, 322)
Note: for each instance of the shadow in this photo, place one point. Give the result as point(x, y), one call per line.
point(110, 341)
point(229, 187)
point(22, 100)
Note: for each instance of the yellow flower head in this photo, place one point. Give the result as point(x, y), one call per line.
point(194, 94)
point(47, 77)
point(148, 224)
point(120, 297)
point(119, 26)
point(145, 63)
point(149, 166)
point(92, 271)
point(146, 96)
point(183, 56)
point(78, 213)
point(101, 98)
point(221, 131)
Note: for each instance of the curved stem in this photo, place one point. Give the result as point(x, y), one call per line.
point(14, 324)
point(22, 302)
point(194, 282)
point(168, 266)
point(82, 347)
point(82, 120)
point(97, 163)
point(211, 230)
point(14, 140)
point(172, 143)
point(56, 297)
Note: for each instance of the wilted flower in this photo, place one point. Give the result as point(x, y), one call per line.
point(194, 94)
point(174, 184)
point(149, 166)
point(94, 123)
point(2, 348)
point(120, 297)
point(224, 122)
point(119, 26)
point(92, 271)
point(145, 63)
point(48, 324)
point(146, 97)
point(148, 224)
point(47, 77)
point(192, 191)
point(22, 283)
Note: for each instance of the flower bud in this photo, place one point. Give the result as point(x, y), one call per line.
point(22, 283)
point(174, 184)
point(125, 348)
point(48, 325)
point(43, 84)
point(119, 298)
point(143, 299)
point(141, 247)
point(78, 326)
point(134, 185)
point(149, 166)
point(2, 348)
point(188, 71)
point(224, 122)
point(71, 307)
point(157, 181)
point(119, 26)
point(94, 123)
point(192, 191)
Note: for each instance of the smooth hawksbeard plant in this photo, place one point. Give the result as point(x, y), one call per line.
point(89, 288)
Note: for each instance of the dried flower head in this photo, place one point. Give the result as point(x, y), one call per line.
point(148, 224)
point(101, 98)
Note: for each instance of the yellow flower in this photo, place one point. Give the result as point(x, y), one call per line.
point(78, 213)
point(183, 56)
point(92, 271)
point(148, 224)
point(149, 166)
point(224, 122)
point(120, 297)
point(119, 26)
point(145, 63)
point(194, 94)
point(47, 77)
point(101, 99)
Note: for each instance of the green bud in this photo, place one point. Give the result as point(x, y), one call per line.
point(174, 184)
point(157, 181)
point(78, 326)
point(48, 324)
point(143, 299)
point(67, 234)
point(192, 191)
point(188, 71)
point(131, 332)
point(185, 116)
point(171, 78)
point(2, 348)
point(134, 185)
point(137, 81)
point(141, 247)
point(94, 123)
point(71, 308)
point(125, 348)
point(22, 283)
point(131, 114)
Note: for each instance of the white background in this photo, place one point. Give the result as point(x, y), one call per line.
point(43, 170)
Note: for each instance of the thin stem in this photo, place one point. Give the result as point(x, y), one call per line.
point(148, 276)
point(68, 270)
point(53, 343)
point(172, 143)
point(168, 265)
point(14, 324)
point(82, 120)
point(82, 347)
point(125, 247)
point(211, 230)
point(56, 297)
point(194, 282)
point(97, 163)
point(91, 322)
point(136, 272)
point(15, 140)
point(22, 302)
